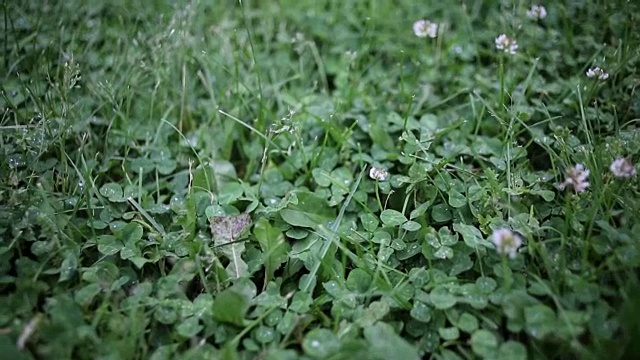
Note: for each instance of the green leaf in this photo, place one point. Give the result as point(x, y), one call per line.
point(301, 302)
point(512, 350)
point(273, 245)
point(420, 210)
point(456, 199)
point(204, 179)
point(271, 297)
point(113, 192)
point(473, 296)
point(446, 354)
point(321, 177)
point(129, 251)
point(214, 210)
point(484, 343)
point(486, 285)
point(119, 283)
point(359, 280)
point(109, 245)
point(441, 298)
point(69, 265)
point(369, 222)
point(306, 249)
point(230, 307)
point(540, 320)
point(130, 233)
point(264, 334)
point(449, 333)
point(392, 217)
point(103, 272)
point(310, 211)
point(547, 195)
point(334, 289)
point(341, 179)
point(421, 312)
point(329, 237)
point(288, 322)
point(280, 354)
point(190, 327)
point(229, 193)
point(187, 219)
point(409, 251)
point(379, 309)
point(446, 237)
point(10, 350)
point(320, 343)
point(141, 165)
point(444, 252)
point(139, 261)
point(384, 343)
point(411, 226)
point(471, 235)
point(229, 352)
point(441, 213)
point(461, 263)
point(380, 135)
point(381, 237)
point(85, 295)
point(467, 323)
point(98, 224)
point(296, 233)
point(166, 166)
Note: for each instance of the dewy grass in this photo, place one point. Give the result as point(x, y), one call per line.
point(319, 179)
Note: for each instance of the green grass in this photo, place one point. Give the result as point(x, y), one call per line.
point(191, 179)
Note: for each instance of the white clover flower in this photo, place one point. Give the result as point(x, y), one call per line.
point(424, 28)
point(598, 73)
point(378, 174)
point(507, 44)
point(577, 178)
point(537, 12)
point(506, 241)
point(622, 168)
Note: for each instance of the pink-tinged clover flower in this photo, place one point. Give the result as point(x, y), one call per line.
point(577, 177)
point(537, 12)
point(598, 73)
point(378, 174)
point(506, 44)
point(506, 241)
point(622, 168)
point(424, 28)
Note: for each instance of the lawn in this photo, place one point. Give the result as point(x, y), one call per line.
point(319, 179)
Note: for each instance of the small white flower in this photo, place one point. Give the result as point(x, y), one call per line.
point(507, 44)
point(598, 73)
point(537, 12)
point(506, 241)
point(378, 174)
point(424, 28)
point(622, 168)
point(577, 178)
